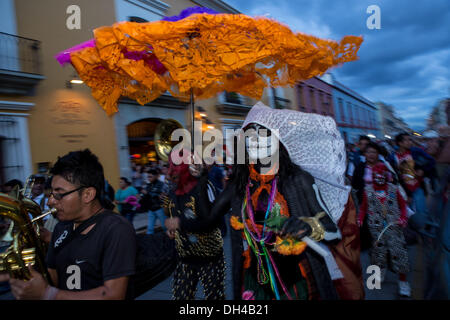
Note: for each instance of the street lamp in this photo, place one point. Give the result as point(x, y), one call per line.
point(201, 111)
point(74, 80)
point(209, 124)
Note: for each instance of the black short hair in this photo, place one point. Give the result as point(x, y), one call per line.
point(81, 168)
point(373, 145)
point(364, 138)
point(125, 180)
point(399, 138)
point(14, 182)
point(154, 172)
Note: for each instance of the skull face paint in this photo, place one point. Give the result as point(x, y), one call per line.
point(259, 142)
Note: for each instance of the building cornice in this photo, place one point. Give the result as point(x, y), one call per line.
point(233, 109)
point(217, 5)
point(10, 114)
point(154, 6)
point(231, 121)
point(163, 101)
point(331, 80)
point(19, 106)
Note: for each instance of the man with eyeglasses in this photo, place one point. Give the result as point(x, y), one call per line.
point(92, 251)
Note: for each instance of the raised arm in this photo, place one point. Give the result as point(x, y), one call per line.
point(210, 213)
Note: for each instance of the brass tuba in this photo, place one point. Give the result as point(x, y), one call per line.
point(23, 235)
point(163, 133)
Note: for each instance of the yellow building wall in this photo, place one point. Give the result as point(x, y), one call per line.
point(62, 119)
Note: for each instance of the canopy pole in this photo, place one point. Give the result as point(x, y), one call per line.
point(192, 120)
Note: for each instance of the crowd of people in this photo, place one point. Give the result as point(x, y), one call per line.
point(402, 188)
point(400, 192)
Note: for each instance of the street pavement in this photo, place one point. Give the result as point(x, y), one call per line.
point(388, 290)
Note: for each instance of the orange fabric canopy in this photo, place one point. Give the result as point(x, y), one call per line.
point(206, 53)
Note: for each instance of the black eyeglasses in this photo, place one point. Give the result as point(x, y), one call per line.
point(59, 196)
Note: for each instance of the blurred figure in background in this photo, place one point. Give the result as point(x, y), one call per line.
point(411, 165)
point(361, 178)
point(126, 199)
point(386, 214)
point(9, 186)
point(357, 156)
point(37, 192)
point(163, 173)
point(49, 221)
point(137, 180)
point(153, 193)
point(437, 273)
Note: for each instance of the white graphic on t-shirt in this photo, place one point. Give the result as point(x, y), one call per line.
point(61, 238)
point(79, 261)
point(74, 280)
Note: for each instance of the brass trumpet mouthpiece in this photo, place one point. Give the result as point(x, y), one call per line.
point(51, 211)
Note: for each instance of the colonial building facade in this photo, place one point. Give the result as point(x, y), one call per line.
point(43, 115)
point(391, 125)
point(354, 114)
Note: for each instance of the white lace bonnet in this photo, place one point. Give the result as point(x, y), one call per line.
point(313, 143)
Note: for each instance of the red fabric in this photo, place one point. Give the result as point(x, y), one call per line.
point(186, 181)
point(347, 255)
point(363, 209)
point(380, 169)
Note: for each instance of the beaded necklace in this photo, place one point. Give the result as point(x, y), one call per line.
point(257, 241)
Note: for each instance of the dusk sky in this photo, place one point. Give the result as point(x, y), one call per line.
point(404, 64)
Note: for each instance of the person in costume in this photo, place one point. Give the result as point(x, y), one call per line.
point(386, 210)
point(200, 252)
point(274, 207)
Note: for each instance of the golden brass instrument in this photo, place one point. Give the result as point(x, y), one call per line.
point(23, 234)
point(163, 132)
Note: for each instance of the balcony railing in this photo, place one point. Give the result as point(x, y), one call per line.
point(19, 54)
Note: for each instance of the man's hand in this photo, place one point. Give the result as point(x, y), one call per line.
point(172, 224)
point(33, 289)
point(170, 234)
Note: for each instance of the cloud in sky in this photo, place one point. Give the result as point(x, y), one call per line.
point(405, 63)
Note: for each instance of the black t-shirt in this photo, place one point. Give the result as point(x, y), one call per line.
point(107, 251)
